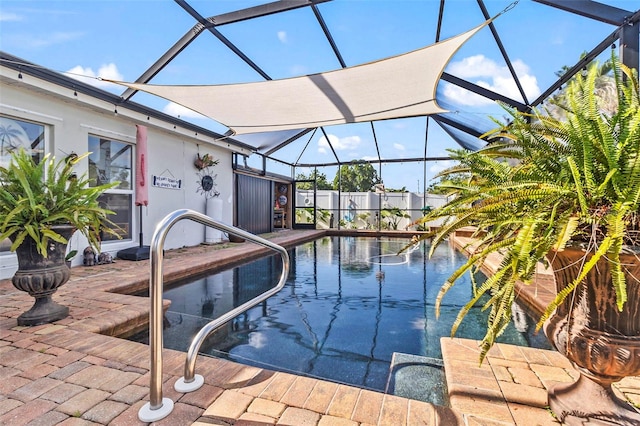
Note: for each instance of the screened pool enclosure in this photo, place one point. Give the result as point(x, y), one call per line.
point(373, 85)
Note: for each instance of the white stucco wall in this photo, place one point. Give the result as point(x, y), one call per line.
point(71, 119)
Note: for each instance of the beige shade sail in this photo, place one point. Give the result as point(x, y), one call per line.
point(400, 86)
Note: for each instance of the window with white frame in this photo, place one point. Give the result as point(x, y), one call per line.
point(16, 134)
point(111, 161)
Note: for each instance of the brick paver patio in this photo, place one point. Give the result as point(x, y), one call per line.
point(79, 371)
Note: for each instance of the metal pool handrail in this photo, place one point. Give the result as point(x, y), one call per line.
point(158, 407)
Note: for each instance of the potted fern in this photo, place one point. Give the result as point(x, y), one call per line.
point(565, 191)
point(41, 205)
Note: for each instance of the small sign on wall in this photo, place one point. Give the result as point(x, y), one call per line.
point(166, 182)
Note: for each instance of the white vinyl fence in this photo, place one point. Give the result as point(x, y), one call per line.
point(368, 210)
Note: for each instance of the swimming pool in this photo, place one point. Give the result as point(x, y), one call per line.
point(348, 305)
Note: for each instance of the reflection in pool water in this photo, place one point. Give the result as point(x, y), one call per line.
point(348, 305)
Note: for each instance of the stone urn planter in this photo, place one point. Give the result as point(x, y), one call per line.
point(542, 184)
point(41, 277)
point(602, 342)
point(43, 201)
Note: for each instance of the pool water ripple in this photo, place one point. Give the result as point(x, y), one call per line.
point(340, 317)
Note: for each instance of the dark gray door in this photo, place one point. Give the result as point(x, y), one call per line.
point(254, 204)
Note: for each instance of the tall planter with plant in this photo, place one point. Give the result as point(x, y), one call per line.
point(41, 205)
point(545, 188)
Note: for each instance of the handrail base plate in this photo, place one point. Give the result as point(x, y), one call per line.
point(186, 387)
point(147, 415)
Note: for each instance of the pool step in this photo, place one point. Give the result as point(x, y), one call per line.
point(418, 377)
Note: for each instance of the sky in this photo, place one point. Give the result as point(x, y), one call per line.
point(120, 39)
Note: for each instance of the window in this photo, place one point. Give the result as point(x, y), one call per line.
point(16, 134)
point(111, 161)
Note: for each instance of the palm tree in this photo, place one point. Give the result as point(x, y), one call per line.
point(9, 139)
point(605, 87)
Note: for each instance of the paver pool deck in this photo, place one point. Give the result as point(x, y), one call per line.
point(80, 371)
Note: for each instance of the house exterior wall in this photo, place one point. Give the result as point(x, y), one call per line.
point(70, 119)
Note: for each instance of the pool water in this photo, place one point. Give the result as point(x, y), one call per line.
point(348, 305)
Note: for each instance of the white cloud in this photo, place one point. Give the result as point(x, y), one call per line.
point(398, 146)
point(89, 76)
point(464, 97)
point(474, 66)
point(10, 17)
point(488, 74)
point(439, 166)
point(349, 143)
point(282, 36)
point(177, 110)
